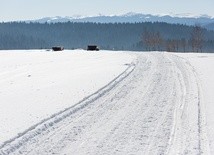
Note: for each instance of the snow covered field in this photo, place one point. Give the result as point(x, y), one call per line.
point(204, 66)
point(37, 84)
point(141, 103)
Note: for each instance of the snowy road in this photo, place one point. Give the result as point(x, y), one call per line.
point(154, 107)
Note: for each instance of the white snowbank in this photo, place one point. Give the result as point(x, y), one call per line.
point(36, 84)
point(204, 65)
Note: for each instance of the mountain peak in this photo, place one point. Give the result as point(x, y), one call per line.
point(132, 17)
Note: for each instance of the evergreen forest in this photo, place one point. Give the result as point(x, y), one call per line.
point(145, 36)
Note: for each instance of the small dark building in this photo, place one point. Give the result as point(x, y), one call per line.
point(93, 48)
point(57, 48)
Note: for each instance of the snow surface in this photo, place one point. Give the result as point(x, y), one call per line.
point(37, 84)
point(204, 66)
point(140, 103)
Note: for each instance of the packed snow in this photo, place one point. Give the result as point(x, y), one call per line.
point(78, 102)
point(37, 84)
point(204, 66)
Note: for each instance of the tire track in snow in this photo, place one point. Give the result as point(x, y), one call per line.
point(143, 113)
point(189, 133)
point(15, 143)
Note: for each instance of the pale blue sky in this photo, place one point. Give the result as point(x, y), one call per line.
point(34, 9)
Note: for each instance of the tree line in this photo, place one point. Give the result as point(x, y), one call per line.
point(109, 36)
point(152, 40)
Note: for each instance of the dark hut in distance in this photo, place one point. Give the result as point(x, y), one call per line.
point(92, 48)
point(57, 48)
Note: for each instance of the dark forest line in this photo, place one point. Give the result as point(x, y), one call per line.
point(111, 36)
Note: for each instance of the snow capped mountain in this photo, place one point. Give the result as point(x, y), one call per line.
point(131, 17)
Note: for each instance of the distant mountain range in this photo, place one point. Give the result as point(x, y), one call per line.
point(187, 19)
